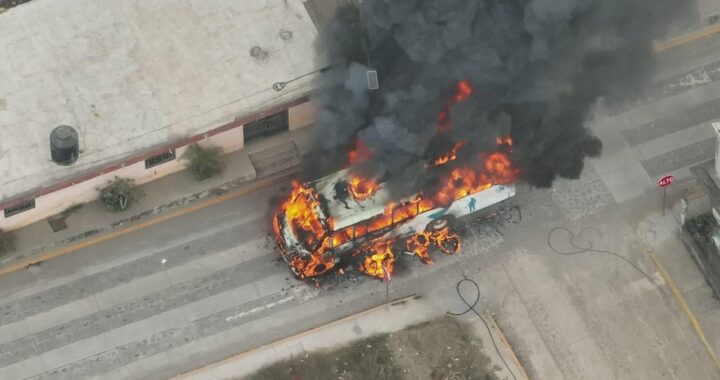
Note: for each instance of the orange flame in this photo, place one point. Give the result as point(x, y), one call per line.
point(449, 156)
point(447, 240)
point(360, 154)
point(362, 188)
point(301, 213)
point(463, 91)
point(507, 140)
point(419, 244)
point(379, 258)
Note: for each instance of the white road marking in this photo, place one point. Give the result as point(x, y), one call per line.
point(259, 308)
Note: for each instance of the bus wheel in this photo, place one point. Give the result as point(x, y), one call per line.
point(449, 245)
point(437, 225)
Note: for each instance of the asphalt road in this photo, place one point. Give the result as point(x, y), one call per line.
point(209, 284)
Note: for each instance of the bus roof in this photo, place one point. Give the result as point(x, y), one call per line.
point(348, 211)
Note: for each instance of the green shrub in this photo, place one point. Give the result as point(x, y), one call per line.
point(120, 193)
point(204, 162)
point(7, 242)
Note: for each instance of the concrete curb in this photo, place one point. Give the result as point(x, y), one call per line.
point(680, 299)
point(687, 38)
point(506, 343)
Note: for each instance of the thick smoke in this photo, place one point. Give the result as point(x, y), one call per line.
point(536, 67)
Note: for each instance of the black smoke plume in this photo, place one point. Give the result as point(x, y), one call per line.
point(536, 67)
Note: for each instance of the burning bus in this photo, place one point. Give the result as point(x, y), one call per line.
point(344, 216)
point(348, 216)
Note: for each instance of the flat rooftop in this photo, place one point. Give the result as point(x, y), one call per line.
point(131, 75)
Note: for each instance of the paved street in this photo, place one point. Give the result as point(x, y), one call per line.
point(207, 285)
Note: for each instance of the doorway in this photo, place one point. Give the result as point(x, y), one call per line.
point(267, 126)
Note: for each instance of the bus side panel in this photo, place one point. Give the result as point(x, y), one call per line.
point(417, 224)
point(478, 201)
point(459, 208)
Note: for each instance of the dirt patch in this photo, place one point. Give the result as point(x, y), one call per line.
point(442, 349)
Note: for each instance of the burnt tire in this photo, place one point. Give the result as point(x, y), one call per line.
point(450, 245)
point(437, 224)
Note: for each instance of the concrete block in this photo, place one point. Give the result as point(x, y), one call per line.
point(274, 284)
point(219, 302)
point(204, 265)
point(591, 359)
point(62, 314)
point(132, 290)
point(148, 326)
point(78, 350)
point(12, 331)
point(562, 319)
point(530, 275)
point(24, 369)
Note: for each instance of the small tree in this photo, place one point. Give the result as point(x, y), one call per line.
point(204, 162)
point(7, 242)
point(120, 193)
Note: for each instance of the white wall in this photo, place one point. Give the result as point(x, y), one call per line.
point(301, 115)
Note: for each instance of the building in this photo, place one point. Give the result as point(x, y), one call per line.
point(701, 233)
point(139, 81)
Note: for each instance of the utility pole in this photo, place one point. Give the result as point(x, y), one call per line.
point(386, 280)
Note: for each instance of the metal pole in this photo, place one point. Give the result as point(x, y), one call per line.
point(387, 292)
point(663, 202)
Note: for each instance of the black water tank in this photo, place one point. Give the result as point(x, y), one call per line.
point(64, 146)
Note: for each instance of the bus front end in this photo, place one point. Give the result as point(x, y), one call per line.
point(301, 231)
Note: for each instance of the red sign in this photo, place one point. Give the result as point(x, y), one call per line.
point(666, 181)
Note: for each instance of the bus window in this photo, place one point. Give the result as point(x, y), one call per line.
point(379, 222)
point(341, 237)
point(405, 211)
point(360, 230)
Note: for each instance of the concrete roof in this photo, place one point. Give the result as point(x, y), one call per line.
point(133, 74)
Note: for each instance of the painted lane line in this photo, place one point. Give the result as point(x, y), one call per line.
point(258, 309)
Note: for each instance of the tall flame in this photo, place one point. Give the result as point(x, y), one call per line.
point(359, 154)
point(449, 156)
point(463, 90)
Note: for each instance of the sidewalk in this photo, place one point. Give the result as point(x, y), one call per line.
point(683, 279)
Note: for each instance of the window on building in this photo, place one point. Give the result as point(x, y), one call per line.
point(160, 159)
point(24, 206)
